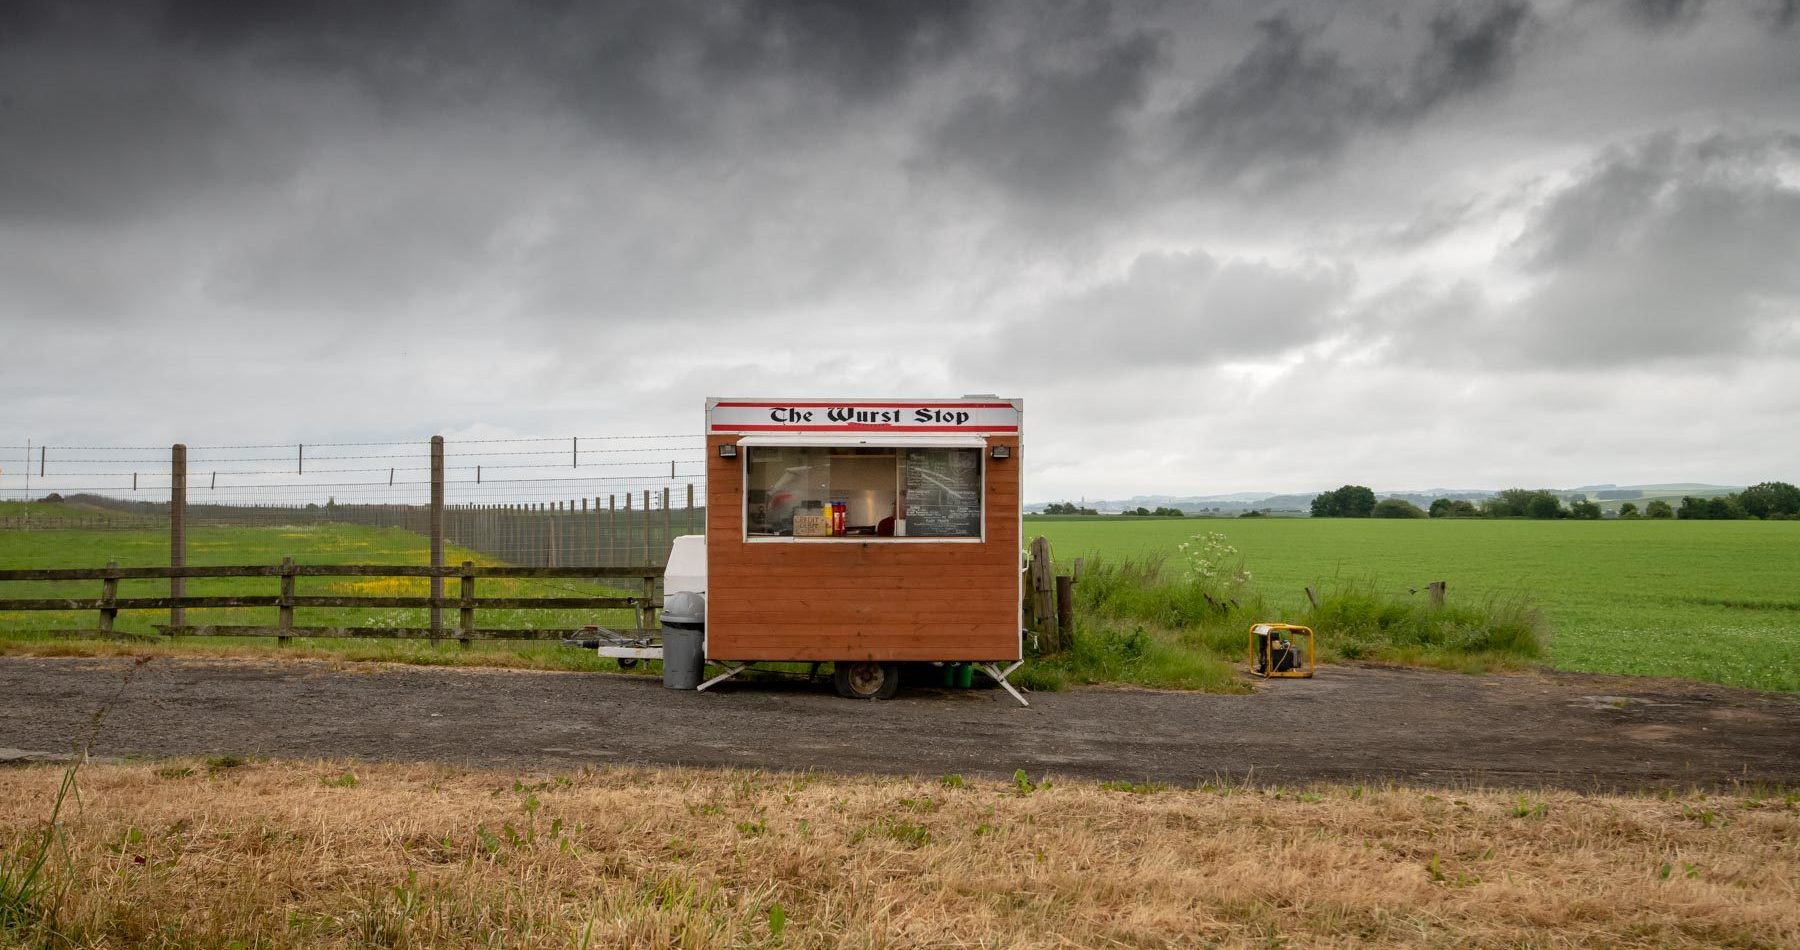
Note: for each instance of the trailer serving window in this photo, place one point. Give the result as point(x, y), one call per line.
point(862, 491)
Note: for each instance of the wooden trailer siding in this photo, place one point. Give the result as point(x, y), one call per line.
point(874, 600)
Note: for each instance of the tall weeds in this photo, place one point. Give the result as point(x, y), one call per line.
point(1156, 622)
point(1357, 621)
point(30, 888)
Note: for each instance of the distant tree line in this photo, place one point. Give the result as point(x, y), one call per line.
point(1540, 503)
point(1776, 501)
point(1070, 508)
point(1768, 500)
point(1357, 501)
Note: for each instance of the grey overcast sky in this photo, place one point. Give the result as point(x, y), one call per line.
point(1215, 246)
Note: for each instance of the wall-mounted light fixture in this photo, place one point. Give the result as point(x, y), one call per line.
point(728, 450)
point(1001, 452)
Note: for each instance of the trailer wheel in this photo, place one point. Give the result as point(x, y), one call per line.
point(627, 662)
point(866, 680)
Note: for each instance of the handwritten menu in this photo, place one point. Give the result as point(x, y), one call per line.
point(943, 493)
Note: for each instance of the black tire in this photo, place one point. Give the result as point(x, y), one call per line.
point(866, 679)
point(627, 662)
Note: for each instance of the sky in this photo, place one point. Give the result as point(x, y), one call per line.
point(1214, 246)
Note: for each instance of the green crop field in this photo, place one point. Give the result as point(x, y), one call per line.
point(1709, 600)
point(326, 544)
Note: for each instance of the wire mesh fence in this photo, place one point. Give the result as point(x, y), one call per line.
point(548, 502)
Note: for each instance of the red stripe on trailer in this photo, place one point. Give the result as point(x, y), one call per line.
point(728, 427)
point(851, 403)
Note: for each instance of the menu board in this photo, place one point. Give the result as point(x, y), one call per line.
point(943, 493)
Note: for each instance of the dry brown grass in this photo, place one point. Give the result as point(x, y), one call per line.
point(301, 854)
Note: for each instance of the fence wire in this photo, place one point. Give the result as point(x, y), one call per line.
point(549, 501)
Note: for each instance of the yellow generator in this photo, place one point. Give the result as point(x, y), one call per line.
point(1275, 650)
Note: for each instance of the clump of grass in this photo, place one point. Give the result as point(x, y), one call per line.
point(1357, 622)
point(1105, 650)
point(1134, 788)
point(30, 886)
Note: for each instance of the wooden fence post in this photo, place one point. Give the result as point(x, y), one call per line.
point(1042, 590)
point(109, 594)
point(612, 528)
point(437, 535)
point(688, 519)
point(1065, 607)
point(646, 559)
point(177, 531)
point(468, 608)
point(668, 522)
point(1437, 593)
point(647, 613)
point(285, 613)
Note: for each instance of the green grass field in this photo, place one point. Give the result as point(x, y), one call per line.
point(1708, 600)
point(332, 544)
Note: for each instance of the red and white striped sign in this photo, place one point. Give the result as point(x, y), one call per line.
point(980, 416)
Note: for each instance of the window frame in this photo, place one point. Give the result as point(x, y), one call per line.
point(747, 444)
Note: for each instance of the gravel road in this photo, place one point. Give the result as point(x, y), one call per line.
point(1348, 724)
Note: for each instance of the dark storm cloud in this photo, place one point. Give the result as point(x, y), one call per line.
point(101, 104)
point(1468, 50)
point(1053, 132)
point(1679, 14)
point(376, 154)
point(96, 123)
point(1292, 104)
point(613, 62)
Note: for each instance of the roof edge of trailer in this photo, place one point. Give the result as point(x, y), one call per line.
point(873, 439)
point(978, 399)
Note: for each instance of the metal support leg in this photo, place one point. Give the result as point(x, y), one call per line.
point(999, 676)
point(730, 671)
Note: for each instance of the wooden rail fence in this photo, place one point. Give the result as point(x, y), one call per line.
point(466, 603)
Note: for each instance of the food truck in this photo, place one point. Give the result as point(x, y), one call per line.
point(864, 533)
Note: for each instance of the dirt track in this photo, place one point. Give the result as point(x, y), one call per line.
point(1579, 732)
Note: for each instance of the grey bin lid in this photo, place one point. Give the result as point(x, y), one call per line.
point(684, 608)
